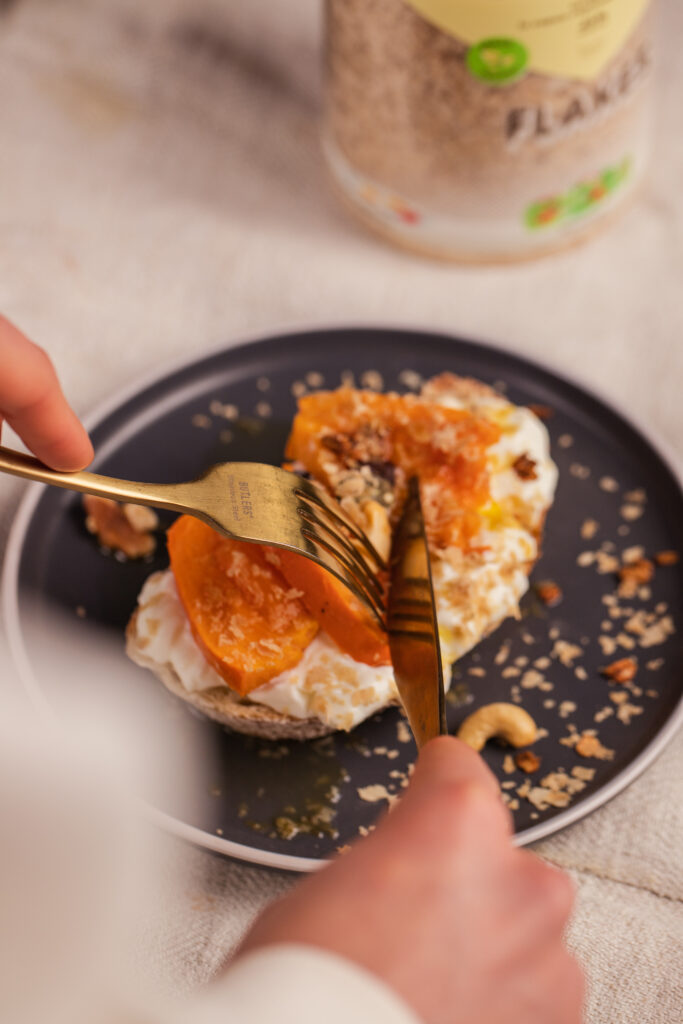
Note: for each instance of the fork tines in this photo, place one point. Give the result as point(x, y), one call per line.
point(331, 533)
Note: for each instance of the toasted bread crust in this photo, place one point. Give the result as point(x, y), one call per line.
point(226, 707)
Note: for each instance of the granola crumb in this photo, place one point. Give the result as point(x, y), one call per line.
point(542, 663)
point(503, 654)
point(565, 440)
point(566, 652)
point(114, 526)
point(609, 484)
point(589, 528)
point(588, 745)
point(566, 708)
point(226, 411)
point(372, 379)
point(627, 711)
point(579, 471)
point(532, 679)
point(374, 793)
point(80, 611)
point(403, 734)
point(580, 672)
point(655, 664)
point(410, 379)
point(631, 512)
point(201, 421)
point(508, 764)
point(602, 714)
point(510, 671)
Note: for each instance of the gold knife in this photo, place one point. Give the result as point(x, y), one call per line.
point(412, 626)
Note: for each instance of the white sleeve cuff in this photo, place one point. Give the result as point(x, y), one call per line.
point(297, 984)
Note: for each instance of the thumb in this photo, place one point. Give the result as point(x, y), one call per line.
point(449, 760)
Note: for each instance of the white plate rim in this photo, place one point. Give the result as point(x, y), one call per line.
point(214, 843)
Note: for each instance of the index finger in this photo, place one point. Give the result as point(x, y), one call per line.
point(449, 760)
point(32, 402)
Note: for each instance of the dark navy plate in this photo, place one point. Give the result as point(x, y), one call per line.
point(291, 805)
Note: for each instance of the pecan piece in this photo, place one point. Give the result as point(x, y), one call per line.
point(125, 528)
point(549, 592)
point(527, 761)
point(666, 558)
point(634, 575)
point(525, 468)
point(621, 671)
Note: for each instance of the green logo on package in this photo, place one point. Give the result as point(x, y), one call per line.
point(579, 199)
point(497, 61)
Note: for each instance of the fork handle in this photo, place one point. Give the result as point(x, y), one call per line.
point(158, 495)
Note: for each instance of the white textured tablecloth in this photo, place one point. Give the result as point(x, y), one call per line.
point(161, 192)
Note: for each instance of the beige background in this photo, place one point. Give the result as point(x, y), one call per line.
point(161, 191)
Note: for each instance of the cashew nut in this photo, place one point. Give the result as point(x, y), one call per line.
point(506, 721)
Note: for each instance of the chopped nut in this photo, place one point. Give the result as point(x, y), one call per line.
point(666, 558)
point(621, 671)
point(637, 573)
point(525, 468)
point(549, 593)
point(527, 761)
point(110, 522)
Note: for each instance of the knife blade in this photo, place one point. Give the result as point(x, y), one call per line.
point(412, 625)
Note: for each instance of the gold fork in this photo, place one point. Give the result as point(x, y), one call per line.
point(246, 501)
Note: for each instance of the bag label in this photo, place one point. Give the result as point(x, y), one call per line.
point(562, 38)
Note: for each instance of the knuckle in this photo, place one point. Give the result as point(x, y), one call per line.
point(467, 806)
point(556, 890)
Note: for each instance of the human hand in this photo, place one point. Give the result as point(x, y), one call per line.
point(440, 906)
point(32, 402)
